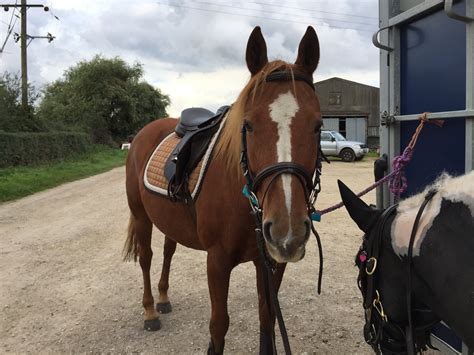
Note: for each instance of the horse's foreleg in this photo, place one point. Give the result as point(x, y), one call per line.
point(218, 276)
point(164, 305)
point(267, 321)
point(143, 229)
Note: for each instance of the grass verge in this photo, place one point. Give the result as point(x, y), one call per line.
point(372, 154)
point(16, 182)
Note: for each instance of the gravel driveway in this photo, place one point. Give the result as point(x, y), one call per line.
point(64, 287)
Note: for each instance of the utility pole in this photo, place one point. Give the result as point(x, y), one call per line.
point(24, 61)
point(24, 44)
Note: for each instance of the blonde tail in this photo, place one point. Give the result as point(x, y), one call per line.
point(130, 249)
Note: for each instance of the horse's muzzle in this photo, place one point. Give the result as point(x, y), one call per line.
point(289, 247)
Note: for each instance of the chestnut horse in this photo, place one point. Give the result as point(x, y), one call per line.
point(282, 119)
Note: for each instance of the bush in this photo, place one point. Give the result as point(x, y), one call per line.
point(102, 97)
point(13, 117)
point(34, 148)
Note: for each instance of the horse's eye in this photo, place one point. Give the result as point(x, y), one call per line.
point(317, 129)
point(248, 126)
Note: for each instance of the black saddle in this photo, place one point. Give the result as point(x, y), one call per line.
point(196, 128)
point(191, 119)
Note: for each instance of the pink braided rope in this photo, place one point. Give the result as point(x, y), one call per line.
point(397, 181)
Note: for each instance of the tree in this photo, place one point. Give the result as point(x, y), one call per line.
point(104, 97)
point(13, 118)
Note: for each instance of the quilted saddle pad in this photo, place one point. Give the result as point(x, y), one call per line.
point(154, 176)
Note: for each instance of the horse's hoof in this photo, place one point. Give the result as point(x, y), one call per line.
point(152, 325)
point(211, 351)
point(163, 308)
point(266, 343)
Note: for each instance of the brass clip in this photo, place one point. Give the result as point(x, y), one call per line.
point(372, 261)
point(378, 306)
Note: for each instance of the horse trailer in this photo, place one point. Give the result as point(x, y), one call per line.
point(427, 65)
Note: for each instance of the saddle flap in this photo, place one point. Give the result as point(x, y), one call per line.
point(190, 150)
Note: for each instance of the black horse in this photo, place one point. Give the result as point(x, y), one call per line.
point(417, 265)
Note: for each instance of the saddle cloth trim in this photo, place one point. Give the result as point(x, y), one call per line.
point(205, 162)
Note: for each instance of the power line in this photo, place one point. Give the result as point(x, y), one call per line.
point(312, 2)
point(282, 13)
point(312, 10)
point(24, 37)
point(10, 27)
point(261, 17)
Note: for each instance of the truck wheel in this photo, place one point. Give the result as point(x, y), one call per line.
point(347, 155)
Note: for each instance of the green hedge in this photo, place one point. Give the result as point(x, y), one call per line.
point(34, 148)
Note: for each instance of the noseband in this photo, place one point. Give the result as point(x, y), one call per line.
point(383, 334)
point(311, 185)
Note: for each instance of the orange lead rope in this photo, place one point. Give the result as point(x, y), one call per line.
point(423, 119)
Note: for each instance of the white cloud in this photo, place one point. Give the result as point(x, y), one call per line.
point(210, 90)
point(196, 56)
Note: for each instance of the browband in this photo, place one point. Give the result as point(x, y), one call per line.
point(288, 76)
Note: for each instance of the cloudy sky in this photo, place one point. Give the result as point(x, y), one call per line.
point(194, 51)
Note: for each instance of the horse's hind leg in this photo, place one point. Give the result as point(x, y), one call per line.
point(164, 305)
point(140, 237)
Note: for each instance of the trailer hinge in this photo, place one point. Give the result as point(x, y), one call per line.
point(386, 119)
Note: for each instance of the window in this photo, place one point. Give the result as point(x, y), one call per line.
point(342, 126)
point(339, 137)
point(326, 136)
point(335, 98)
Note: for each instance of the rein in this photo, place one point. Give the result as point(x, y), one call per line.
point(380, 332)
point(311, 185)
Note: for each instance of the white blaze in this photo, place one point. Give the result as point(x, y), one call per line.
point(282, 111)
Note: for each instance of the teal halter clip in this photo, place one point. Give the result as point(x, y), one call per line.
point(315, 216)
point(251, 197)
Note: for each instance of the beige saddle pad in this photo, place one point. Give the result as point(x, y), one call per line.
point(154, 176)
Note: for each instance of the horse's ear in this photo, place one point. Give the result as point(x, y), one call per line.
point(362, 214)
point(256, 55)
point(308, 51)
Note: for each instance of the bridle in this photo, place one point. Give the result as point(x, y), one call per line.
point(311, 185)
point(383, 334)
point(311, 181)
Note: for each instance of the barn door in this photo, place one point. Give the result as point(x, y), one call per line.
point(331, 124)
point(356, 129)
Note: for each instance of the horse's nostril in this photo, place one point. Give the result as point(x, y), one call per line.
point(266, 230)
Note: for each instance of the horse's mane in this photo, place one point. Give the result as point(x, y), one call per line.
point(451, 187)
point(229, 144)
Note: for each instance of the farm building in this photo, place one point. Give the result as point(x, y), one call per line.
point(351, 108)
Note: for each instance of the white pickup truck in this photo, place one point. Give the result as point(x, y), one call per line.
point(334, 144)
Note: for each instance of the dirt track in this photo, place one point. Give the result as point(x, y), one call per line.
point(64, 287)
